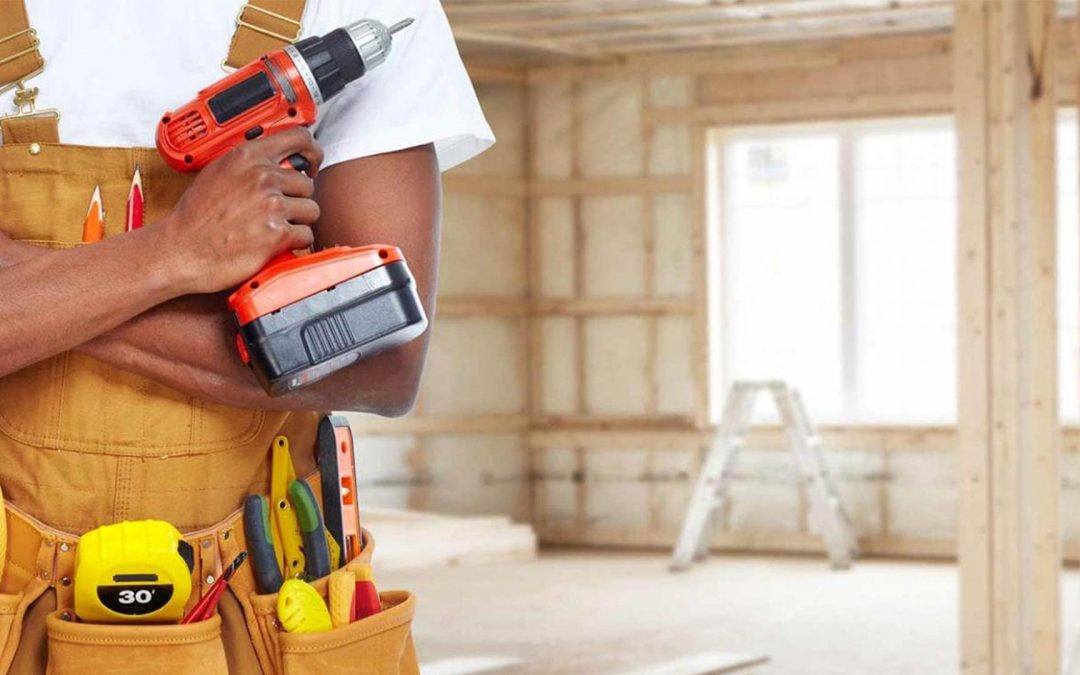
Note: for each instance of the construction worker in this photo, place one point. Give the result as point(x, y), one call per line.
point(121, 394)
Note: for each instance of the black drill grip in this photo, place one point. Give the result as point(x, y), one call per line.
point(296, 161)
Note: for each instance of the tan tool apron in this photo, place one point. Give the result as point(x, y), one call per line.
point(83, 444)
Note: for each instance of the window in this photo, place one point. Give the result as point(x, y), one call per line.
point(838, 265)
point(838, 271)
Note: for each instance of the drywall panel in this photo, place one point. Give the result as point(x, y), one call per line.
point(764, 494)
point(475, 366)
point(610, 113)
point(673, 475)
point(614, 246)
point(673, 244)
point(552, 120)
point(616, 356)
point(504, 107)
point(618, 494)
point(922, 494)
point(385, 471)
point(675, 91)
point(558, 487)
point(483, 247)
point(675, 365)
point(479, 474)
point(556, 225)
point(560, 383)
point(670, 153)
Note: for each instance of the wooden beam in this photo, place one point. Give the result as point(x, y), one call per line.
point(485, 186)
point(495, 423)
point(746, 28)
point(482, 306)
point(589, 187)
point(1009, 533)
point(677, 306)
point(464, 36)
point(665, 16)
point(808, 109)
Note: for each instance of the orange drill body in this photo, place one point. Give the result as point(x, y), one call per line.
point(218, 120)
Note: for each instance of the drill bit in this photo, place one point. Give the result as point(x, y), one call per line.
point(401, 25)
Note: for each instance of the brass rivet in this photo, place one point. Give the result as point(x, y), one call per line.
point(206, 543)
point(65, 581)
point(66, 616)
point(225, 534)
point(35, 149)
point(65, 547)
point(44, 574)
point(209, 578)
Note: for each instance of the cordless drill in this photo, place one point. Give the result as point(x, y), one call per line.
point(301, 318)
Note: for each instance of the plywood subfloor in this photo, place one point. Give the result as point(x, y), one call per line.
point(613, 613)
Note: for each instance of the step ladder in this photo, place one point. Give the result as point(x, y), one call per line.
point(826, 515)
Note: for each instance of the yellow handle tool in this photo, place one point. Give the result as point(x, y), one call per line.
point(286, 530)
point(340, 592)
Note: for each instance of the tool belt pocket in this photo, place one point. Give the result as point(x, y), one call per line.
point(12, 610)
point(381, 644)
point(104, 648)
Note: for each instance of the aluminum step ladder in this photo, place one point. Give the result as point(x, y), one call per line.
point(827, 515)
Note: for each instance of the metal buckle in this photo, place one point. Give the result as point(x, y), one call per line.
point(26, 101)
point(258, 29)
point(35, 43)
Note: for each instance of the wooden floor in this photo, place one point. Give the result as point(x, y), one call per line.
point(608, 613)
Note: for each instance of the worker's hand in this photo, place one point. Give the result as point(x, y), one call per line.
point(241, 211)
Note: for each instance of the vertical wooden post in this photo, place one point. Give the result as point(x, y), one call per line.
point(1009, 533)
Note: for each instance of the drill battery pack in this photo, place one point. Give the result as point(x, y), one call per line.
point(306, 317)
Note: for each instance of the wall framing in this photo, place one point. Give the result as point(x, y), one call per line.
point(647, 166)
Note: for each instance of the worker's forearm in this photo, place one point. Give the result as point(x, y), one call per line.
point(55, 302)
point(188, 344)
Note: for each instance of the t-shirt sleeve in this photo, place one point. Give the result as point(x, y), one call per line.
point(421, 95)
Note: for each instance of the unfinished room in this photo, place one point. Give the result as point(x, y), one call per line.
point(757, 345)
point(708, 336)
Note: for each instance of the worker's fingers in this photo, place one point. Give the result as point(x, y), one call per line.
point(302, 211)
point(296, 184)
point(294, 141)
point(299, 237)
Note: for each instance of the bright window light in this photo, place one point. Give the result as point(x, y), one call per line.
point(839, 266)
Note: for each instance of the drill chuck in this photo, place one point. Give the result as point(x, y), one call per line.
point(327, 63)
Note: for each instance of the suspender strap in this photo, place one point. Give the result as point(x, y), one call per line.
point(19, 61)
point(19, 55)
point(262, 28)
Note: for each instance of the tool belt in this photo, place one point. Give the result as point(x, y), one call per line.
point(40, 558)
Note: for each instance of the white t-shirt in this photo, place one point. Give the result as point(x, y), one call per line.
point(113, 67)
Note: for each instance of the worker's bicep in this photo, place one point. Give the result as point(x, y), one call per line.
point(393, 199)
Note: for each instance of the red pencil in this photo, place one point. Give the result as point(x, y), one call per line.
point(204, 608)
point(135, 203)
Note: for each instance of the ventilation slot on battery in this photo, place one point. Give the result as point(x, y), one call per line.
point(186, 129)
point(328, 337)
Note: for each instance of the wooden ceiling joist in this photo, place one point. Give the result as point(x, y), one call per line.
point(607, 30)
